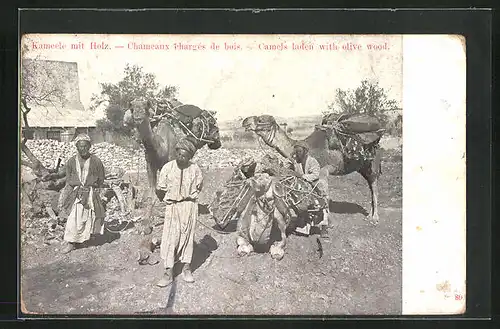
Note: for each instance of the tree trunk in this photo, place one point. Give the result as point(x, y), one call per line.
point(36, 165)
point(28, 164)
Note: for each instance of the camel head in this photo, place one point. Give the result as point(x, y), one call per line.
point(136, 113)
point(263, 125)
point(249, 123)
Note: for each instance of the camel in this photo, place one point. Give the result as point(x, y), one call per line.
point(326, 148)
point(265, 208)
point(272, 197)
point(159, 138)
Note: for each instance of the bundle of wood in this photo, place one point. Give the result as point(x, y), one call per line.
point(175, 111)
point(233, 198)
point(357, 135)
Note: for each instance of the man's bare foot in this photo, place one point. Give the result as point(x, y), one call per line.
point(69, 247)
point(166, 279)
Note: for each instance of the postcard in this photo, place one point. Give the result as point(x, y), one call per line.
point(242, 175)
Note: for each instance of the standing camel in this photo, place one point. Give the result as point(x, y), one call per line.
point(325, 147)
point(159, 141)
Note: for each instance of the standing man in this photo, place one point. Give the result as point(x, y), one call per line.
point(179, 184)
point(309, 169)
point(80, 198)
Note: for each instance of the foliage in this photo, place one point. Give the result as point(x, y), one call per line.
point(395, 127)
point(135, 84)
point(368, 98)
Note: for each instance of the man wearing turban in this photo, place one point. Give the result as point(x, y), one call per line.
point(80, 198)
point(179, 185)
point(308, 168)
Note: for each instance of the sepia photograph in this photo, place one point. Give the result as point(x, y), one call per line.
point(231, 175)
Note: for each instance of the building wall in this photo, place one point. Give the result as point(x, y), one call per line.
point(51, 75)
point(45, 132)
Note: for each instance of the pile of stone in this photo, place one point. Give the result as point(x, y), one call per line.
point(112, 156)
point(223, 158)
point(129, 159)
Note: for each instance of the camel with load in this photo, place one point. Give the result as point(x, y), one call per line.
point(159, 130)
point(341, 146)
point(263, 198)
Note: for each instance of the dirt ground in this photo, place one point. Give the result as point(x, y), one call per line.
point(359, 272)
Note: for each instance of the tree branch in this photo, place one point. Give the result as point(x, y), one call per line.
point(25, 112)
point(37, 165)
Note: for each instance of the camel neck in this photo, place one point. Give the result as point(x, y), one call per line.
point(282, 142)
point(146, 133)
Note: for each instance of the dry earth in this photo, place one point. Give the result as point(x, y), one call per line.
point(358, 273)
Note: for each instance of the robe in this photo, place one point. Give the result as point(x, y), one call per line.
point(182, 188)
point(310, 171)
point(81, 199)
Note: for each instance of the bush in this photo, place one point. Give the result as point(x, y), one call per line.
point(395, 127)
point(368, 98)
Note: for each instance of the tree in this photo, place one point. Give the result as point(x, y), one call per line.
point(135, 83)
point(368, 98)
point(40, 86)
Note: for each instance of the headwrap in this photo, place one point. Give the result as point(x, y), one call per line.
point(83, 137)
point(248, 161)
point(187, 145)
point(302, 144)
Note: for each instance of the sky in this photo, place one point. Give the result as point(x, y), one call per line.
point(253, 79)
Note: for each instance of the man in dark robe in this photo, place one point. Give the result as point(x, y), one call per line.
point(80, 198)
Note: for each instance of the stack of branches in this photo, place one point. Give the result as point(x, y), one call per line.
point(236, 192)
point(182, 117)
point(299, 194)
point(357, 135)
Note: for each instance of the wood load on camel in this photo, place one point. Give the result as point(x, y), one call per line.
point(262, 195)
point(159, 126)
point(341, 145)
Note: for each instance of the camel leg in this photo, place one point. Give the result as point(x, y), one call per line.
point(244, 247)
point(151, 195)
point(151, 180)
point(277, 250)
point(371, 177)
point(243, 225)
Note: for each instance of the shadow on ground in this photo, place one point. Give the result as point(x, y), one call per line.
point(346, 208)
point(201, 251)
point(107, 237)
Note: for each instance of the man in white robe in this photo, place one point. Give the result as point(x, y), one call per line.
point(309, 169)
point(179, 185)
